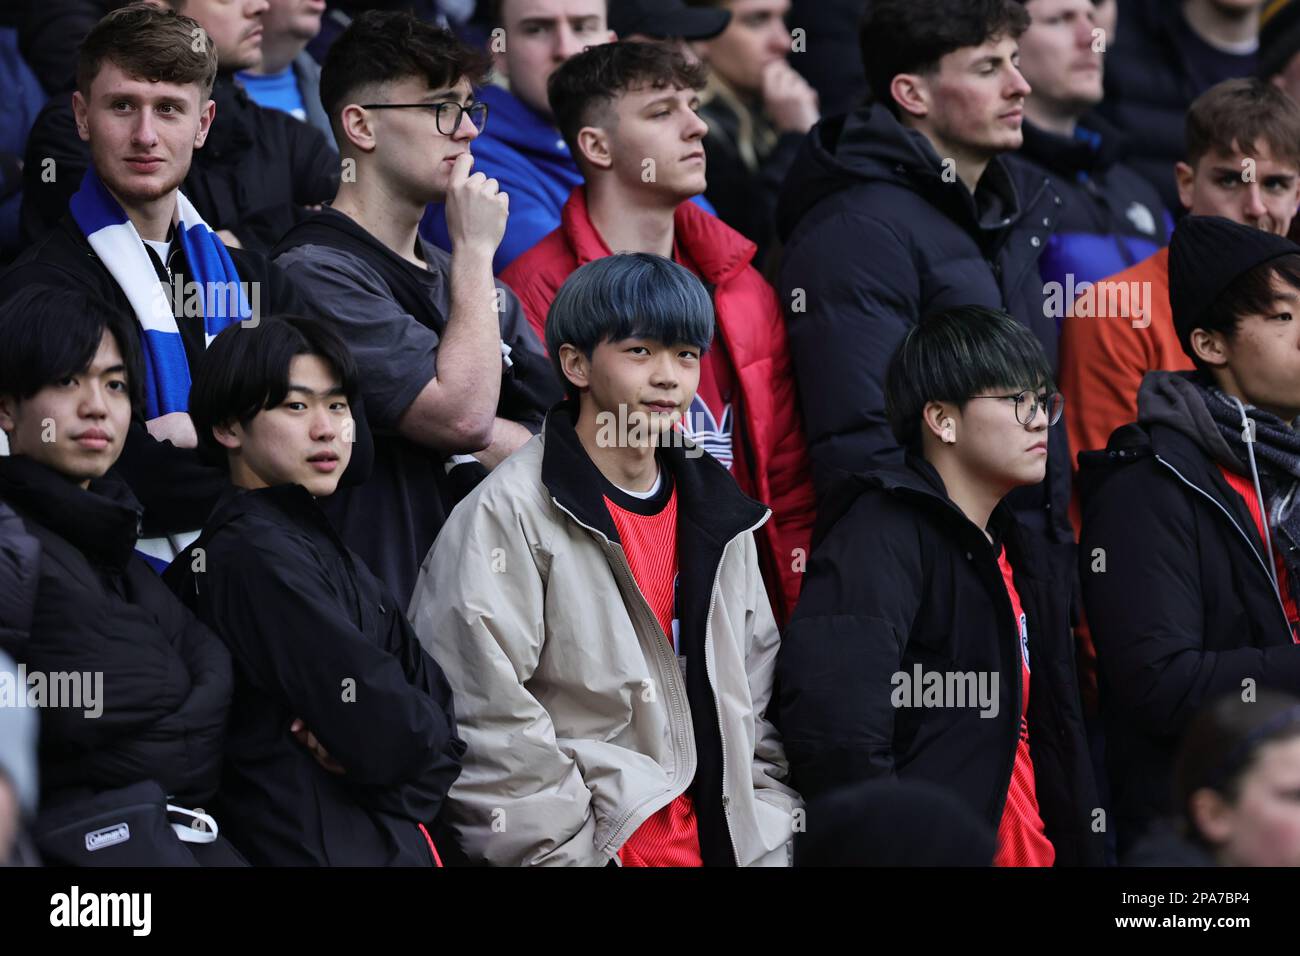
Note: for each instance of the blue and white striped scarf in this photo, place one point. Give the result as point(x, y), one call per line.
point(114, 238)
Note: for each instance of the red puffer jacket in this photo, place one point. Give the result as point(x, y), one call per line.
point(771, 455)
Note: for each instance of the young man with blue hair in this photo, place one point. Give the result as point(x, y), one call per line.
point(597, 606)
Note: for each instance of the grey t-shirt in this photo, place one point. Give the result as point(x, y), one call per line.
point(391, 520)
point(396, 354)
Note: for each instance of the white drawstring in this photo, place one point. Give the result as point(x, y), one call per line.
point(1248, 436)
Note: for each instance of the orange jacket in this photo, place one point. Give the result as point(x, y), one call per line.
point(1106, 349)
point(1104, 356)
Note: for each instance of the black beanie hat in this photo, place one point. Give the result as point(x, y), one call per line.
point(1208, 254)
point(1279, 37)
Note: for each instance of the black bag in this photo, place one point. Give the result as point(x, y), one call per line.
point(130, 826)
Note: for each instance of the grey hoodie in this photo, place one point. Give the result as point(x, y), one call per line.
point(1174, 399)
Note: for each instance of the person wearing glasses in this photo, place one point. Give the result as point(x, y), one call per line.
point(1188, 549)
point(453, 378)
point(932, 642)
point(528, 39)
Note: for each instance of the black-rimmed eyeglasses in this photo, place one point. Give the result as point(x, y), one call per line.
point(1029, 402)
point(443, 113)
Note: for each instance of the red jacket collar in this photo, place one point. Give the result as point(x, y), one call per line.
point(716, 250)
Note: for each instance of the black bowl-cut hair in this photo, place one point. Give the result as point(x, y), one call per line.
point(953, 355)
point(246, 370)
point(626, 296)
point(48, 334)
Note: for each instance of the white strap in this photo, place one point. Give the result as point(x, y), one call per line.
point(201, 827)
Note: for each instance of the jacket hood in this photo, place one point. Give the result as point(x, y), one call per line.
point(102, 521)
point(234, 135)
point(291, 501)
point(286, 511)
point(915, 479)
point(718, 251)
point(870, 145)
point(325, 226)
point(1095, 147)
point(709, 497)
point(1176, 400)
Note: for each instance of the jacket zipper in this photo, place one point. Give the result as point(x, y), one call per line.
point(683, 744)
point(1018, 664)
point(1022, 715)
point(769, 556)
point(713, 684)
point(1233, 521)
point(708, 634)
point(1024, 216)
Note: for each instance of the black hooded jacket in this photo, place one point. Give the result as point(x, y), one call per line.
point(1177, 592)
point(902, 579)
point(100, 609)
point(878, 232)
point(314, 635)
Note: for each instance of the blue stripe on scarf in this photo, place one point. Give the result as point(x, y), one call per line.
point(110, 233)
point(93, 206)
point(157, 564)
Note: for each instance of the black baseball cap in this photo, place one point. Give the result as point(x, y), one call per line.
point(666, 19)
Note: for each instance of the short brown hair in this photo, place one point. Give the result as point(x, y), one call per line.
point(387, 46)
point(912, 36)
point(1240, 114)
point(596, 76)
point(152, 44)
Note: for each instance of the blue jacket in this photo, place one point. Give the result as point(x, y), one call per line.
point(526, 154)
point(1112, 218)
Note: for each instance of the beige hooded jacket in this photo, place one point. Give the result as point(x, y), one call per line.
point(579, 721)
